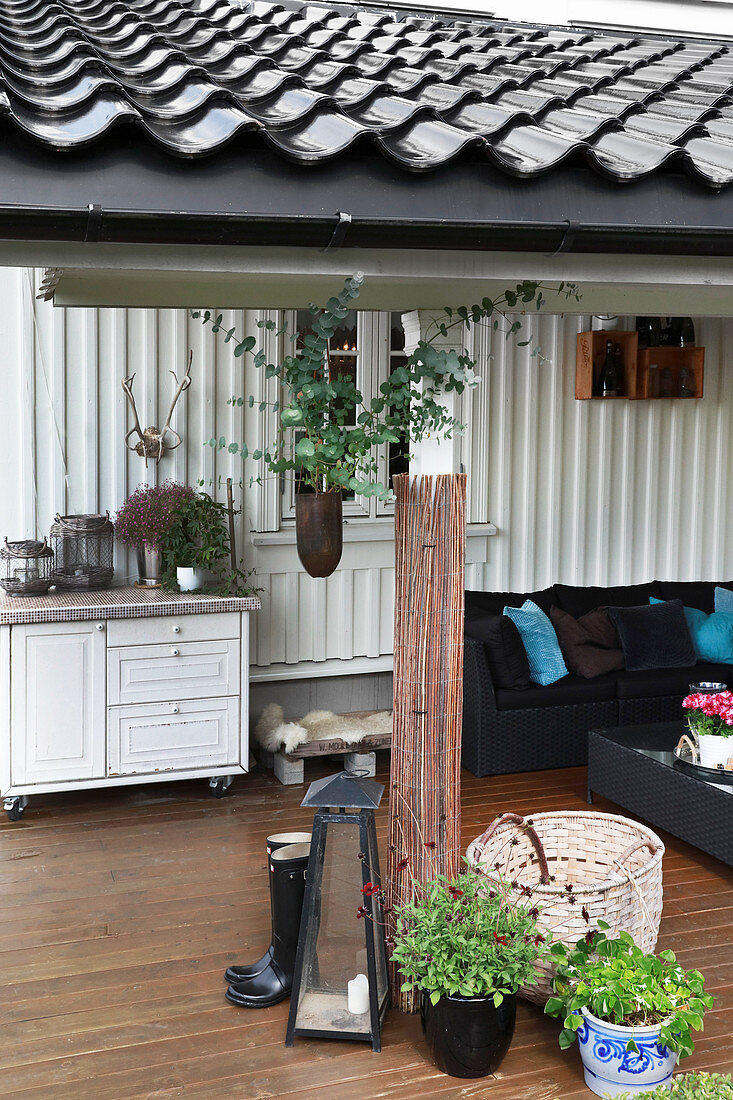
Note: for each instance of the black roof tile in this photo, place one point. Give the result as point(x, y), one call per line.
point(318, 81)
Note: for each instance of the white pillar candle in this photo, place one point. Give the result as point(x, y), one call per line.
point(358, 995)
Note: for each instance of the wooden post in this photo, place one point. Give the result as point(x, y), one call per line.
point(425, 792)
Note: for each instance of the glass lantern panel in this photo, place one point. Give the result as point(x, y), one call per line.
point(335, 947)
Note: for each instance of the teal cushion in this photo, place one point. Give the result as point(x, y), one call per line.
point(723, 599)
point(540, 642)
point(712, 635)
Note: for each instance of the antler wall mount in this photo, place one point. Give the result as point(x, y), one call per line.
point(152, 442)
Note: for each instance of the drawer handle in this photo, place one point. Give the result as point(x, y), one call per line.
point(174, 708)
point(100, 626)
point(176, 630)
point(175, 652)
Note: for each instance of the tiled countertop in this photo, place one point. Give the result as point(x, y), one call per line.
point(115, 603)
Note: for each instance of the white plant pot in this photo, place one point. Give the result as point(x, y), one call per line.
point(714, 750)
point(610, 1069)
point(189, 580)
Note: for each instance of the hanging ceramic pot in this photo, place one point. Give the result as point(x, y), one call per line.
point(319, 531)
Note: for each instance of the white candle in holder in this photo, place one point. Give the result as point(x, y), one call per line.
point(358, 995)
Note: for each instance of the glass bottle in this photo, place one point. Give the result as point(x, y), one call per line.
point(607, 379)
point(618, 363)
point(667, 385)
point(652, 380)
point(687, 383)
point(687, 333)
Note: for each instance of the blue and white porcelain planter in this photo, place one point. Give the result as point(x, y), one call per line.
point(611, 1069)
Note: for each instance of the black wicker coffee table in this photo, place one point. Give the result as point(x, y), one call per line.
point(633, 766)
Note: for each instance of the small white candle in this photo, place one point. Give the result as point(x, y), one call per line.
point(358, 995)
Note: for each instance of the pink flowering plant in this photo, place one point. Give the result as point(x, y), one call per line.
point(150, 512)
point(710, 714)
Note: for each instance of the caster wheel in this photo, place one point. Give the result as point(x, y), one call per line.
point(15, 812)
point(218, 789)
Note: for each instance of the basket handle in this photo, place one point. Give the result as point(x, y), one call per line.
point(94, 525)
point(515, 819)
point(642, 842)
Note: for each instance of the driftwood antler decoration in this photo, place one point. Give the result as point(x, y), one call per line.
point(152, 442)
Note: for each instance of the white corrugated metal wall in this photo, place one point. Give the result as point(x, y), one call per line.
point(581, 492)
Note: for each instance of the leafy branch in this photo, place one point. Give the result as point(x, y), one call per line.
point(337, 432)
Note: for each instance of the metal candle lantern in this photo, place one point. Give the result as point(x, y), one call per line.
point(83, 548)
point(340, 988)
point(25, 567)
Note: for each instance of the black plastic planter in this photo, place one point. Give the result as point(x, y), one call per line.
point(468, 1037)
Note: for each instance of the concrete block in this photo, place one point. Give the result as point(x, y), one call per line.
point(289, 772)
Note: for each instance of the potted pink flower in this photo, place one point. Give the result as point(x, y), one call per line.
point(145, 519)
point(710, 718)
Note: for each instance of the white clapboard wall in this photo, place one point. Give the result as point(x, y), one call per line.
point(579, 492)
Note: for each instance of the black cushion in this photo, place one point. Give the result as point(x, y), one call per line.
point(654, 682)
point(563, 693)
point(699, 594)
point(654, 636)
point(505, 654)
point(579, 601)
point(493, 603)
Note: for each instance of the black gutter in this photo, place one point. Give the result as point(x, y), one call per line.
point(140, 196)
point(225, 229)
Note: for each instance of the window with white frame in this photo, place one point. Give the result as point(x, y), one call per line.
point(365, 348)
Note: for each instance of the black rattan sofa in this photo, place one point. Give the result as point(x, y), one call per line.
point(547, 727)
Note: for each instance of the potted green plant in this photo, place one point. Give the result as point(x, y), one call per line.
point(468, 950)
point(196, 545)
point(330, 432)
point(710, 720)
point(689, 1086)
point(144, 520)
point(632, 1013)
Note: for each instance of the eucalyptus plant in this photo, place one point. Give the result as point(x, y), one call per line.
point(336, 429)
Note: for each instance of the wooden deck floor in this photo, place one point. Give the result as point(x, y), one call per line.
point(121, 909)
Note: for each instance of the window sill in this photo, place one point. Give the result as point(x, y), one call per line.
point(381, 530)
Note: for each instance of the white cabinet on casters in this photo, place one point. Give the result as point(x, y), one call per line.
point(107, 700)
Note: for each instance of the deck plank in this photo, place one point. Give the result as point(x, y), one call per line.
point(119, 912)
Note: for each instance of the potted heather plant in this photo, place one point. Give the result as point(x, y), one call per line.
point(144, 520)
point(632, 1013)
point(710, 720)
point(468, 950)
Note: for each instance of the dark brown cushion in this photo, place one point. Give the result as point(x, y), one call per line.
point(590, 644)
point(505, 654)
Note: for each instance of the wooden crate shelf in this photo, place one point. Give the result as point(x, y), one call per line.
point(591, 353)
point(675, 359)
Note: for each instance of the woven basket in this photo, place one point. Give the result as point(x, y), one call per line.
point(614, 866)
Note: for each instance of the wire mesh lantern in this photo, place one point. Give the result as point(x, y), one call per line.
point(340, 987)
point(25, 567)
point(83, 551)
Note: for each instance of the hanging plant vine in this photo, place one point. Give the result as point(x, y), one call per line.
point(338, 431)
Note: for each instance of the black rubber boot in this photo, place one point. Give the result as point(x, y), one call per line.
point(274, 844)
point(287, 887)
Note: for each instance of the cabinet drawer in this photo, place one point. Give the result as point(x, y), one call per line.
point(173, 628)
point(155, 737)
point(178, 670)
